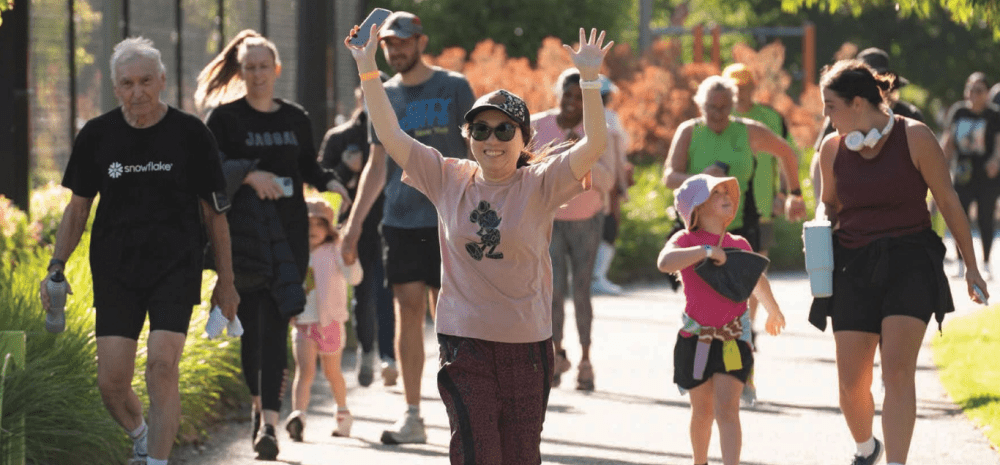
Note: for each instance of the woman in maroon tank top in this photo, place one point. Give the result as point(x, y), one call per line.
point(889, 274)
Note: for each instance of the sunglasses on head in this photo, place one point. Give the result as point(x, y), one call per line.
point(482, 131)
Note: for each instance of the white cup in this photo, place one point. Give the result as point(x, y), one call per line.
point(817, 238)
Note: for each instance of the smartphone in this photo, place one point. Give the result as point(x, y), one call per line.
point(287, 186)
point(979, 292)
point(375, 17)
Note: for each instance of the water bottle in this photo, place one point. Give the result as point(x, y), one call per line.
point(55, 318)
point(817, 238)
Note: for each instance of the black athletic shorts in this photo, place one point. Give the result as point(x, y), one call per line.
point(684, 362)
point(910, 288)
point(411, 255)
point(121, 309)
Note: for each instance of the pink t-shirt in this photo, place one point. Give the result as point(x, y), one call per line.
point(326, 284)
point(704, 304)
point(585, 205)
point(496, 275)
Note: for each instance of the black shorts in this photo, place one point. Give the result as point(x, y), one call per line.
point(610, 231)
point(121, 309)
point(411, 255)
point(684, 362)
point(910, 289)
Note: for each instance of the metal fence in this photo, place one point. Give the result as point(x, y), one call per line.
point(71, 43)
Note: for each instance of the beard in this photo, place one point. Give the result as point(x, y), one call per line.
point(404, 65)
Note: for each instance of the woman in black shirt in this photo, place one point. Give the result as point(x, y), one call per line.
point(268, 152)
point(971, 137)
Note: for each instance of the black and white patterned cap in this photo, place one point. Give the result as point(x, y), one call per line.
point(510, 104)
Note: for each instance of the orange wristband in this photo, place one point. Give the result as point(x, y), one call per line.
point(370, 75)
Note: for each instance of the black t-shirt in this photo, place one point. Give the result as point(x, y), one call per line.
point(351, 135)
point(974, 135)
point(148, 218)
point(282, 141)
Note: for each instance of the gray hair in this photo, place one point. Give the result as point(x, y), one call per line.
point(712, 84)
point(132, 48)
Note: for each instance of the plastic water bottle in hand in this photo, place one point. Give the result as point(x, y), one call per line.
point(57, 288)
point(817, 239)
point(216, 323)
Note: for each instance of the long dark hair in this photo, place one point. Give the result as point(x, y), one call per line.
point(854, 78)
point(220, 82)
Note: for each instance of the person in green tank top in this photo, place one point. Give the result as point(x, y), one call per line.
point(720, 144)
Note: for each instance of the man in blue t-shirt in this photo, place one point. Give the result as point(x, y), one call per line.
point(430, 104)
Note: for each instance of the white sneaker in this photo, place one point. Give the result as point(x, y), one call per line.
point(389, 372)
point(408, 430)
point(601, 285)
point(140, 448)
point(344, 422)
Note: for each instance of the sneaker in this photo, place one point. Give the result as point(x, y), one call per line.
point(748, 397)
point(140, 448)
point(585, 376)
point(560, 365)
point(366, 371)
point(295, 426)
point(389, 372)
point(601, 285)
point(266, 444)
point(254, 424)
point(408, 430)
point(987, 274)
point(871, 459)
point(344, 422)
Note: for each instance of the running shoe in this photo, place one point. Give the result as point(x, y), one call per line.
point(748, 397)
point(254, 424)
point(366, 371)
point(585, 376)
point(602, 286)
point(266, 445)
point(344, 422)
point(871, 459)
point(295, 426)
point(389, 372)
point(408, 430)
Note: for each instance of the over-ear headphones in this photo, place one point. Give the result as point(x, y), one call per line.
point(856, 140)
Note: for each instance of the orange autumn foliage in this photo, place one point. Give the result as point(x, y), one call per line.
point(655, 90)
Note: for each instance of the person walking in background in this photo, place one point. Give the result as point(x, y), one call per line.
point(888, 263)
point(878, 60)
point(319, 329)
point(345, 150)
point(268, 151)
point(495, 217)
point(613, 199)
point(720, 144)
point(428, 102)
point(578, 226)
point(971, 141)
point(713, 371)
point(157, 171)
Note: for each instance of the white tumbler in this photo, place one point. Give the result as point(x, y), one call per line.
point(817, 237)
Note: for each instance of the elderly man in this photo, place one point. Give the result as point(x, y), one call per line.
point(158, 172)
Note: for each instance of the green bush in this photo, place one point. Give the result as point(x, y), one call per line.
point(66, 421)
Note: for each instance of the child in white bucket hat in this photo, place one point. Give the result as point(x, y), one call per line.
point(713, 357)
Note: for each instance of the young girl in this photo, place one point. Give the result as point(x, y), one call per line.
point(715, 373)
point(319, 329)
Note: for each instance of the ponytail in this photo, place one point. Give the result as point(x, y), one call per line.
point(220, 82)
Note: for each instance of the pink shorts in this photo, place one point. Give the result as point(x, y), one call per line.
point(330, 338)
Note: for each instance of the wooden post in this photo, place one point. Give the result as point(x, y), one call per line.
point(809, 54)
point(645, 17)
point(699, 44)
point(12, 357)
point(716, 33)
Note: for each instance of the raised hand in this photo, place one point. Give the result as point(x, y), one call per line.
point(364, 54)
point(590, 55)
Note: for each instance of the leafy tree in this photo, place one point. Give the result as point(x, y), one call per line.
point(967, 12)
point(518, 24)
point(4, 6)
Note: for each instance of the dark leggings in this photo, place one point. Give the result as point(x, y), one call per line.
point(264, 347)
point(986, 202)
point(373, 301)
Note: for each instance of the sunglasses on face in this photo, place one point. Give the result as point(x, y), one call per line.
point(504, 131)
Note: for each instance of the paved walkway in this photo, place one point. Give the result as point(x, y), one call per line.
point(636, 415)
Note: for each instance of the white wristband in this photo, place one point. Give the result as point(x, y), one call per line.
point(708, 251)
point(595, 84)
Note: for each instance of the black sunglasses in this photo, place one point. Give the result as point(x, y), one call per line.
point(504, 131)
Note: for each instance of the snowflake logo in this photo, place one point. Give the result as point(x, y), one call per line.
point(115, 170)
